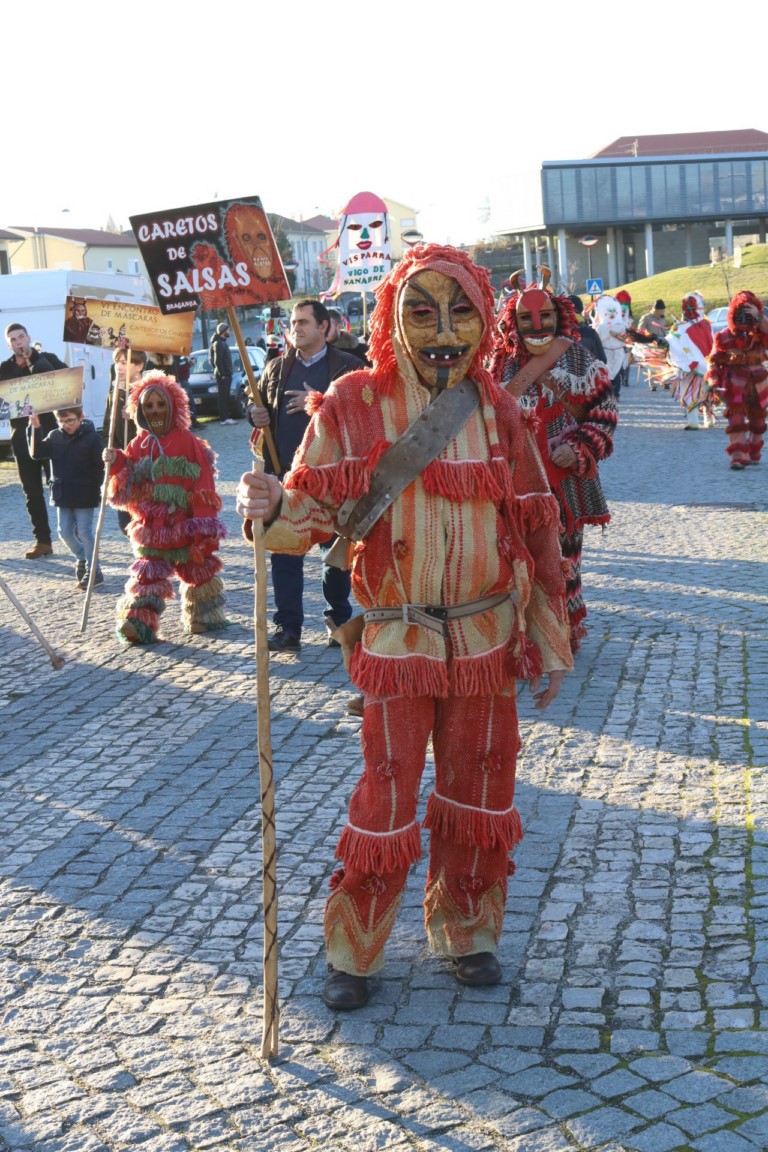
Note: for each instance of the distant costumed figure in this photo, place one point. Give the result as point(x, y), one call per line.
point(538, 357)
point(612, 327)
point(165, 479)
point(737, 376)
point(690, 344)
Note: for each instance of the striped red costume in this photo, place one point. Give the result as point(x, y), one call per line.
point(572, 403)
point(738, 377)
point(478, 521)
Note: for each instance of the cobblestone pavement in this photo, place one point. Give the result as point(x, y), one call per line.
point(634, 1007)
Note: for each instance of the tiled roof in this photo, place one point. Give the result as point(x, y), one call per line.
point(686, 144)
point(92, 237)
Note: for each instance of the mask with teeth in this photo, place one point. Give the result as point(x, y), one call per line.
point(441, 328)
point(156, 411)
point(536, 320)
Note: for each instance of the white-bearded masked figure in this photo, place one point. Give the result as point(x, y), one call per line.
point(611, 325)
point(690, 344)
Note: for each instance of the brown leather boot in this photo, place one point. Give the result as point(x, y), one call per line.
point(344, 992)
point(39, 550)
point(477, 970)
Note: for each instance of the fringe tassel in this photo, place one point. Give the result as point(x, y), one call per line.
point(175, 556)
point(147, 616)
point(379, 854)
point(210, 526)
point(172, 495)
point(468, 480)
point(148, 570)
point(536, 512)
point(202, 593)
point(165, 536)
point(154, 603)
point(210, 497)
point(479, 675)
point(408, 676)
point(145, 634)
point(197, 574)
point(163, 589)
point(473, 826)
point(174, 466)
point(524, 660)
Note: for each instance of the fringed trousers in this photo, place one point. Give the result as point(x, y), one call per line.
point(746, 426)
point(470, 814)
point(202, 595)
point(571, 545)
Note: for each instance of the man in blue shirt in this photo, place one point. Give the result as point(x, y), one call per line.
point(310, 365)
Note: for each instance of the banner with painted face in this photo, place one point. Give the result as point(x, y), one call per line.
point(363, 245)
point(43, 391)
point(117, 323)
point(210, 256)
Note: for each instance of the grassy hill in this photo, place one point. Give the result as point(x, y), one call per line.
point(717, 284)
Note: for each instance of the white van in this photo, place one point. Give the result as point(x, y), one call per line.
point(38, 301)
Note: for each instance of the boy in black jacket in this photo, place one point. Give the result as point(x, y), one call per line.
point(74, 450)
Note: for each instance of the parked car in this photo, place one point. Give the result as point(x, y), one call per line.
point(202, 386)
point(718, 318)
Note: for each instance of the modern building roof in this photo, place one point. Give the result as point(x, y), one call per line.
point(324, 223)
point(90, 237)
point(685, 144)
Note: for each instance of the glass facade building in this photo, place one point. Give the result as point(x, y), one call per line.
point(669, 190)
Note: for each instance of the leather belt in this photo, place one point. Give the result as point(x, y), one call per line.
point(435, 617)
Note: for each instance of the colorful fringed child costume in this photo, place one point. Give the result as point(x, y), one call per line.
point(473, 543)
point(538, 358)
point(737, 375)
point(165, 478)
point(690, 343)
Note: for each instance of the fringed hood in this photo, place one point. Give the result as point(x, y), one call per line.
point(173, 392)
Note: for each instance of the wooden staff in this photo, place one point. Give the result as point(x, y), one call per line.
point(107, 467)
point(264, 730)
point(56, 660)
point(234, 324)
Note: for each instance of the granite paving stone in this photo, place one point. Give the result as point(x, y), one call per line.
point(633, 1011)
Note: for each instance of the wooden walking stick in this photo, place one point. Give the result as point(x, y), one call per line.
point(103, 505)
point(56, 660)
point(267, 782)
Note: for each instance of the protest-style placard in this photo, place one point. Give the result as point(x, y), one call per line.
point(43, 391)
point(113, 323)
point(210, 256)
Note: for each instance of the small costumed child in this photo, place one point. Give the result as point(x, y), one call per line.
point(165, 479)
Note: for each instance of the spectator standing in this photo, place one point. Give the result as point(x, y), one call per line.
point(221, 362)
point(125, 428)
point(587, 333)
point(26, 361)
point(655, 321)
point(74, 450)
point(343, 340)
point(286, 386)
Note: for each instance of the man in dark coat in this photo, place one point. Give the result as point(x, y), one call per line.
point(221, 362)
point(33, 474)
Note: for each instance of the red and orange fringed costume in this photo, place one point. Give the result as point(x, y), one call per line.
point(572, 403)
point(737, 375)
point(167, 483)
point(478, 521)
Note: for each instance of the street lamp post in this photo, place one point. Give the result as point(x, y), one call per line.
point(589, 242)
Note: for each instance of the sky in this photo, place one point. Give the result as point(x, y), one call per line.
point(448, 109)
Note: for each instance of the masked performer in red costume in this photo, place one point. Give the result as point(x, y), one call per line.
point(165, 478)
point(737, 376)
point(461, 579)
point(538, 359)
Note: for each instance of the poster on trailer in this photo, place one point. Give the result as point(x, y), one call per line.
point(210, 256)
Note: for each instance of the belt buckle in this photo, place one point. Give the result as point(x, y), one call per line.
point(437, 612)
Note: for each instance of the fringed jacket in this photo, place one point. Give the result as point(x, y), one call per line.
point(168, 486)
point(573, 406)
point(478, 521)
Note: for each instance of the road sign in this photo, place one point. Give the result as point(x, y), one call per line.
point(594, 287)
